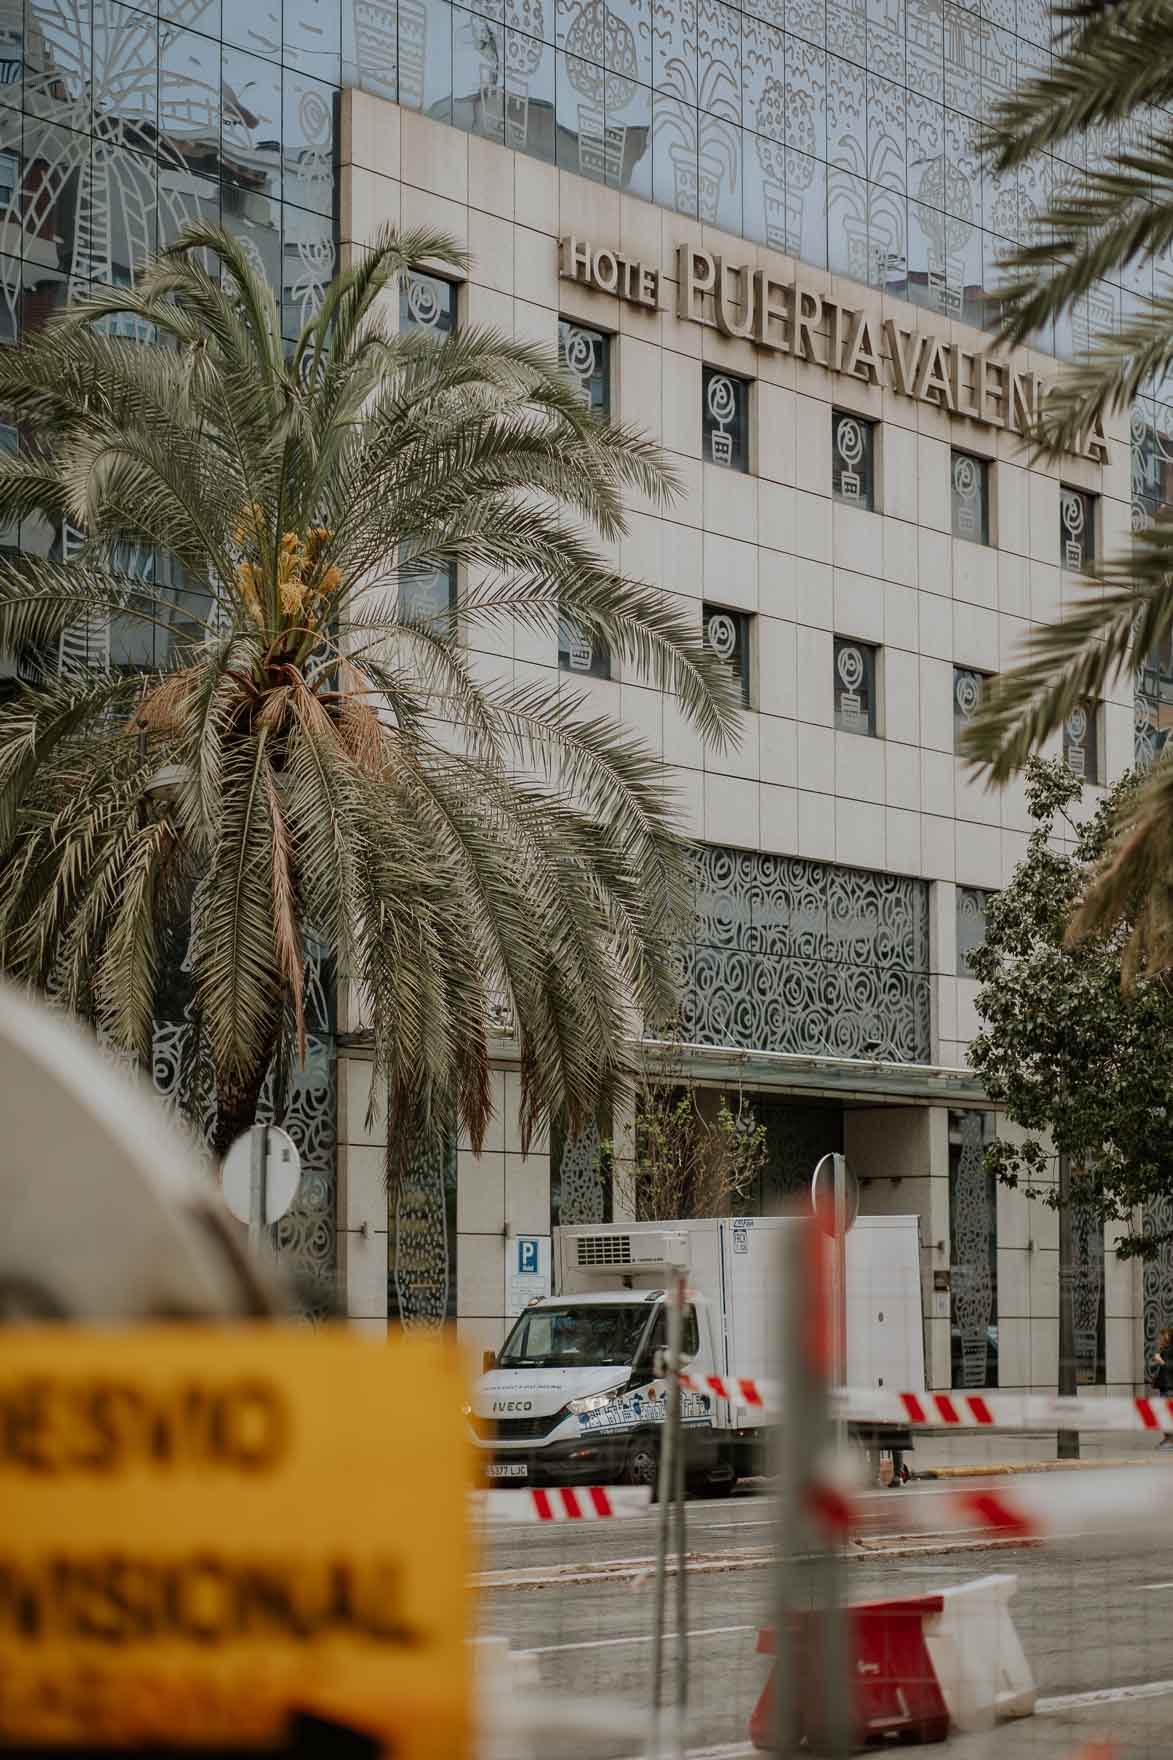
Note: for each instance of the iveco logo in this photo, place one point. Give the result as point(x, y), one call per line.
point(513, 1405)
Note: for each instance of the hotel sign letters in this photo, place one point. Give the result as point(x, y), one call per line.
point(785, 317)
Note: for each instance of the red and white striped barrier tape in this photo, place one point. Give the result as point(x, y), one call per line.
point(956, 1411)
point(562, 1503)
point(1000, 1411)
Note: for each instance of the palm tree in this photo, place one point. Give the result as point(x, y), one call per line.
point(308, 750)
point(1111, 73)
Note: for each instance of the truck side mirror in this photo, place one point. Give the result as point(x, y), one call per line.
point(488, 1361)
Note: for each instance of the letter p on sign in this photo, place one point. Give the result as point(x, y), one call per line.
point(527, 1256)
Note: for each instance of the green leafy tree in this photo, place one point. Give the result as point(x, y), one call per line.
point(1083, 1064)
point(1111, 78)
point(311, 751)
point(695, 1153)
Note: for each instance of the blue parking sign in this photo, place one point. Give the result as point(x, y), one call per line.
point(527, 1256)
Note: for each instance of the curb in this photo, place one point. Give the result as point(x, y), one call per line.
point(990, 1470)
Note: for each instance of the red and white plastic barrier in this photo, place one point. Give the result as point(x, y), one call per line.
point(1049, 1506)
point(957, 1411)
point(562, 1503)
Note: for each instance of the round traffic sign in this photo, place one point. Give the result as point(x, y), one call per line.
point(823, 1194)
point(282, 1175)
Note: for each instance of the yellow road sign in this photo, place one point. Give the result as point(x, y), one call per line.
point(206, 1531)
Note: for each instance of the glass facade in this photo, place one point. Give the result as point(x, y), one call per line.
point(970, 497)
point(855, 687)
point(725, 420)
point(1081, 742)
point(727, 634)
point(853, 459)
point(586, 356)
point(1077, 528)
point(972, 904)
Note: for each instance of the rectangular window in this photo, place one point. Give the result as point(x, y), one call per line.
point(973, 1251)
point(1077, 529)
point(725, 419)
point(581, 650)
point(855, 687)
point(727, 634)
point(968, 689)
point(1153, 704)
point(427, 302)
point(429, 597)
point(853, 443)
point(970, 490)
point(586, 356)
point(1081, 742)
point(972, 904)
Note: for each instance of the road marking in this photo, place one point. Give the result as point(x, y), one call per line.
point(1104, 1696)
point(1157, 1585)
point(636, 1638)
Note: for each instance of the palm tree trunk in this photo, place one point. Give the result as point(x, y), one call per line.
point(236, 1108)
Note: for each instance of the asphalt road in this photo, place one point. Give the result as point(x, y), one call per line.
point(1094, 1617)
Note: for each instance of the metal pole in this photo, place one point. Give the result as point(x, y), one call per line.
point(1066, 1441)
point(257, 1186)
point(676, 1417)
point(665, 1485)
point(787, 1471)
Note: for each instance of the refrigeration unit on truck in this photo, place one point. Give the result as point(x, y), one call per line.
point(573, 1395)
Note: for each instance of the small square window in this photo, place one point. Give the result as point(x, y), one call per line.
point(426, 302)
point(586, 356)
point(1081, 743)
point(970, 484)
point(968, 689)
point(581, 651)
point(727, 634)
point(855, 687)
point(725, 420)
point(429, 597)
point(1077, 529)
point(853, 458)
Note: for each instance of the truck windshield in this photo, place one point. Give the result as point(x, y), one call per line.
point(578, 1337)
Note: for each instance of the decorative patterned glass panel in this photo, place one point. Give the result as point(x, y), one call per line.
point(853, 443)
point(581, 650)
point(427, 302)
point(855, 687)
point(586, 356)
point(1157, 1285)
point(968, 686)
point(972, 903)
point(727, 634)
point(797, 1137)
point(579, 1189)
point(1081, 744)
point(1077, 528)
point(725, 419)
point(1087, 1297)
point(421, 1239)
point(181, 1069)
point(973, 1251)
point(797, 956)
point(971, 498)
point(429, 597)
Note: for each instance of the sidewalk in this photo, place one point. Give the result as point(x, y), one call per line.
point(964, 1455)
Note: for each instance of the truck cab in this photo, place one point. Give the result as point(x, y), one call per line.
point(574, 1394)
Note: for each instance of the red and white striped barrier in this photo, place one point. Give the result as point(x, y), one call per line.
point(956, 1411)
point(562, 1503)
point(1052, 1506)
point(1000, 1411)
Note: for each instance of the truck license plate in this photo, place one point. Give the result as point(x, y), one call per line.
point(507, 1470)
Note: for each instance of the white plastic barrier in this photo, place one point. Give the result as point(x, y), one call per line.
point(977, 1655)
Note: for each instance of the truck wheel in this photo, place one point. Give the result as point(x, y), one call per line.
point(642, 1466)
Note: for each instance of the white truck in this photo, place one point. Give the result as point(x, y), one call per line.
point(573, 1395)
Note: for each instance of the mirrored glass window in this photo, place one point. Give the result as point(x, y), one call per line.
point(972, 904)
point(853, 442)
point(970, 491)
point(427, 302)
point(727, 633)
point(1081, 742)
point(855, 687)
point(725, 419)
point(586, 356)
point(1077, 528)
